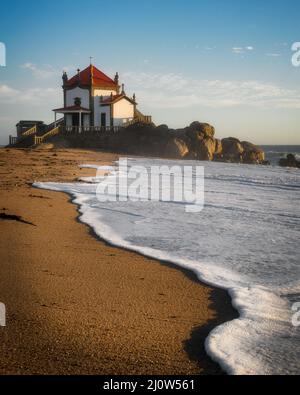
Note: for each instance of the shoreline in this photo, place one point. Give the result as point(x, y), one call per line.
point(185, 353)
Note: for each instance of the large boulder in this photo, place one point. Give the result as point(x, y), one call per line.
point(200, 139)
point(176, 148)
point(163, 130)
point(197, 132)
point(252, 153)
point(289, 161)
point(193, 142)
point(202, 128)
point(218, 147)
point(232, 149)
point(205, 149)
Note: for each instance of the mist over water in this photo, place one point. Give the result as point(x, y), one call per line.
point(245, 240)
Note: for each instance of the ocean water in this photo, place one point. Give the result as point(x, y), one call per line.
point(245, 240)
point(275, 152)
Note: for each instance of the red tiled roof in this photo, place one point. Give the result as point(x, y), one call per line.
point(71, 109)
point(115, 98)
point(91, 76)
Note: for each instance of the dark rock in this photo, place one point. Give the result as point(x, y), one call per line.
point(205, 149)
point(218, 147)
point(203, 128)
point(176, 149)
point(195, 142)
point(163, 127)
point(232, 149)
point(289, 161)
point(252, 154)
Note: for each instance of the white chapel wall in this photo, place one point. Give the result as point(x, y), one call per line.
point(68, 119)
point(104, 92)
point(123, 112)
point(86, 120)
point(84, 95)
point(97, 114)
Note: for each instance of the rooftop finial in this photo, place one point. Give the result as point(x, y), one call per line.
point(117, 78)
point(64, 77)
point(78, 74)
point(91, 60)
point(123, 90)
point(134, 97)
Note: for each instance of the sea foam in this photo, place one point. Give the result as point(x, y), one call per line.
point(246, 240)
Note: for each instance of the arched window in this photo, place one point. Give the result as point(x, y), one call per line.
point(77, 101)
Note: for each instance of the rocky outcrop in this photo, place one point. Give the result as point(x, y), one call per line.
point(206, 149)
point(232, 150)
point(252, 153)
point(200, 130)
point(176, 149)
point(289, 161)
point(196, 141)
point(200, 139)
point(218, 147)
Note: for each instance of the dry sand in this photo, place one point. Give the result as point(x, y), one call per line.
point(76, 305)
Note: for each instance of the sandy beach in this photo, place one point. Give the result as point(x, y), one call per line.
point(76, 305)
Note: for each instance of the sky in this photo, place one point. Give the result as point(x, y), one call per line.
point(227, 63)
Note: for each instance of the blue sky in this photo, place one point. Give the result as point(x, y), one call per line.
point(223, 62)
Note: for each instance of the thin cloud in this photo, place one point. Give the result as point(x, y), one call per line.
point(273, 55)
point(238, 50)
point(45, 72)
point(242, 50)
point(7, 92)
point(5, 118)
point(69, 69)
point(171, 90)
point(33, 96)
point(176, 91)
point(209, 48)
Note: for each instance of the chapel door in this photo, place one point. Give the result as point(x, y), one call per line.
point(103, 119)
point(75, 119)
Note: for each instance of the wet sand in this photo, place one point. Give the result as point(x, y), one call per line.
point(76, 305)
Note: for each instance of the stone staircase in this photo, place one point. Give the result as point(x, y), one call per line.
point(139, 118)
point(31, 136)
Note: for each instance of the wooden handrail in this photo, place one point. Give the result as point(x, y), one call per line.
point(89, 129)
point(30, 131)
point(52, 132)
point(147, 119)
point(13, 140)
point(56, 123)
